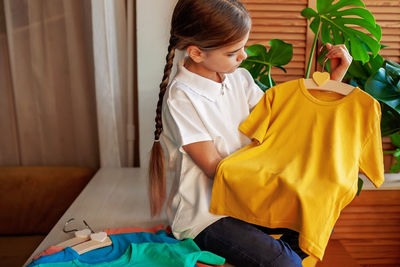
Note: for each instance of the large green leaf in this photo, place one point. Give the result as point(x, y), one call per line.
point(336, 24)
point(381, 87)
point(384, 85)
point(260, 60)
point(393, 70)
point(280, 53)
point(375, 63)
point(395, 138)
point(396, 167)
point(390, 122)
point(323, 5)
point(360, 72)
point(309, 13)
point(343, 3)
point(256, 50)
point(361, 12)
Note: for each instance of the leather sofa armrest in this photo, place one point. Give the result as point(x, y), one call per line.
point(33, 198)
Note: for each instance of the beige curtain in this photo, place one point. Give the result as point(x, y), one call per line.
point(47, 92)
point(113, 49)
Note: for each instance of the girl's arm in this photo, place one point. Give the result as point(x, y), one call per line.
point(205, 155)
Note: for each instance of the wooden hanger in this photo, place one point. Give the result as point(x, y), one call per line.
point(97, 240)
point(80, 237)
point(327, 85)
point(322, 81)
point(85, 240)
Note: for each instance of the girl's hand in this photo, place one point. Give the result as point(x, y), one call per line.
point(340, 60)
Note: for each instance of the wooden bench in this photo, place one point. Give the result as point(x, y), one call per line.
point(371, 220)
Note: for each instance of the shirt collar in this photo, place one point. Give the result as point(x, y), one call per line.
point(201, 85)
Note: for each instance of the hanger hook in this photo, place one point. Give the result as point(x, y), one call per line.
point(322, 47)
point(323, 64)
point(87, 225)
point(74, 230)
point(66, 224)
point(326, 59)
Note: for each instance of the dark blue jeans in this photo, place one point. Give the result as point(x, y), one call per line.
point(244, 245)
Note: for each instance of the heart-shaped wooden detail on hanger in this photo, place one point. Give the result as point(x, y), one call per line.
point(83, 233)
point(321, 77)
point(100, 236)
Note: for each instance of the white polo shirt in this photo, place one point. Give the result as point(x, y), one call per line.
point(198, 109)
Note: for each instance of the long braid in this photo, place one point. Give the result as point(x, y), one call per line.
point(207, 24)
point(163, 88)
point(157, 179)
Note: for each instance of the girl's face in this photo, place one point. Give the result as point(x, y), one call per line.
point(225, 59)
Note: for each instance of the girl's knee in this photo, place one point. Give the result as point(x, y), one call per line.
point(288, 258)
point(289, 262)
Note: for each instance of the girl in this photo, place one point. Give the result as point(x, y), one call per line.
point(204, 105)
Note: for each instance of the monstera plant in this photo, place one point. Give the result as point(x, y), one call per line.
point(260, 61)
point(381, 79)
point(384, 85)
point(333, 21)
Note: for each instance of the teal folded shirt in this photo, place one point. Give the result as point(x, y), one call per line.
point(184, 253)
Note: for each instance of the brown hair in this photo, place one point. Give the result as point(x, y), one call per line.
point(208, 24)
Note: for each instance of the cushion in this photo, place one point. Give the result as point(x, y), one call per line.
point(33, 198)
point(15, 250)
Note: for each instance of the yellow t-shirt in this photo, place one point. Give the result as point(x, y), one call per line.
point(302, 167)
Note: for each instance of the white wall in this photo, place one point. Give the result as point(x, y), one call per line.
point(153, 26)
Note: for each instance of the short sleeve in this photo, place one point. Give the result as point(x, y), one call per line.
point(256, 124)
point(252, 90)
point(371, 160)
point(190, 127)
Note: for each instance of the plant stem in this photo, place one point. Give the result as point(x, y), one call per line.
point(269, 76)
point(312, 51)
